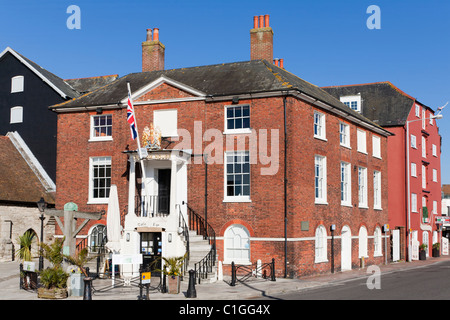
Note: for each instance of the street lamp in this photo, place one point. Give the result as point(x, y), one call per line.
point(41, 206)
point(438, 116)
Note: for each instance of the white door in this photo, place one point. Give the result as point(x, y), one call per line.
point(346, 249)
point(395, 245)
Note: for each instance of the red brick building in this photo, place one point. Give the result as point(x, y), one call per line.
point(416, 141)
point(286, 161)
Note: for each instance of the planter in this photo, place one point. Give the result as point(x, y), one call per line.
point(435, 253)
point(53, 293)
point(174, 284)
point(422, 255)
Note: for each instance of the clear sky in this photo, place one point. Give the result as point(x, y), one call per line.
point(325, 42)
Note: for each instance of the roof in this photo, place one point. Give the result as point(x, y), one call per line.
point(229, 79)
point(84, 85)
point(55, 82)
point(382, 102)
point(18, 182)
point(446, 189)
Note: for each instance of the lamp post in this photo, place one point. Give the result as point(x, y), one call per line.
point(438, 116)
point(41, 206)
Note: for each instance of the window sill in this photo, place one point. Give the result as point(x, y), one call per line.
point(245, 263)
point(324, 202)
point(237, 199)
point(363, 206)
point(345, 146)
point(346, 205)
point(378, 208)
point(320, 138)
point(363, 152)
point(238, 131)
point(98, 201)
point(100, 139)
point(321, 261)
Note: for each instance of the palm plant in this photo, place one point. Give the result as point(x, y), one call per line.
point(80, 260)
point(25, 241)
point(54, 277)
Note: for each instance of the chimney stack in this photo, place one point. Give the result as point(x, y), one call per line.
point(261, 39)
point(152, 52)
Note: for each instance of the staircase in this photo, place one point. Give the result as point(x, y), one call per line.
point(200, 241)
point(199, 248)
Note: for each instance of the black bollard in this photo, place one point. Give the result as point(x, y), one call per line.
point(87, 294)
point(191, 293)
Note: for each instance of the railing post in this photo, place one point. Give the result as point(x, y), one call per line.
point(21, 276)
point(233, 275)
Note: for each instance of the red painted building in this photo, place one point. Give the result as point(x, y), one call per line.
point(414, 160)
point(285, 162)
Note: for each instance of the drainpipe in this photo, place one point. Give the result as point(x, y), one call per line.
point(285, 188)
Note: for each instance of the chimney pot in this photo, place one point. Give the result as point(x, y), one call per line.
point(266, 18)
point(281, 64)
point(149, 35)
point(155, 34)
point(261, 21)
point(261, 39)
point(255, 22)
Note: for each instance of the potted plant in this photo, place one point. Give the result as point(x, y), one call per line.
point(422, 252)
point(172, 269)
point(79, 260)
point(54, 278)
point(436, 250)
point(24, 254)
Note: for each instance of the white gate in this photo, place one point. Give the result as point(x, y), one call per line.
point(395, 245)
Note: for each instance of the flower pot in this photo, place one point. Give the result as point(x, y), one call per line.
point(422, 255)
point(435, 253)
point(52, 293)
point(174, 284)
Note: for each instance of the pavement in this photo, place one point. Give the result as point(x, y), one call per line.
point(219, 290)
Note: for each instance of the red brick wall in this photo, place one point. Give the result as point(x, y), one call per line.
point(264, 215)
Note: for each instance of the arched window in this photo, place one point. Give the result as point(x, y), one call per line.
point(363, 242)
point(377, 242)
point(97, 238)
point(237, 244)
point(426, 240)
point(321, 244)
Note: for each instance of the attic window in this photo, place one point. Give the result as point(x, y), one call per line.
point(17, 84)
point(353, 102)
point(16, 115)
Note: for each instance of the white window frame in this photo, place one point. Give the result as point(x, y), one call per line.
point(377, 190)
point(319, 128)
point(413, 170)
point(237, 245)
point(346, 184)
point(105, 126)
point(98, 161)
point(362, 187)
point(344, 134)
point(17, 84)
point(417, 111)
point(321, 250)
point(424, 147)
point(424, 177)
point(376, 147)
point(166, 121)
point(377, 250)
point(363, 240)
point(413, 202)
point(435, 175)
point(424, 123)
point(320, 179)
point(351, 101)
point(16, 115)
point(434, 150)
point(361, 141)
point(431, 119)
point(435, 206)
point(240, 154)
point(413, 142)
point(226, 119)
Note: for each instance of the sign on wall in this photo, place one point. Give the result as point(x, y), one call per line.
point(444, 246)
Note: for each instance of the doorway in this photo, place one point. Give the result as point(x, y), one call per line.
point(164, 176)
point(151, 249)
point(346, 249)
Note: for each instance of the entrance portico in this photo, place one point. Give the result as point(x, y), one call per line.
point(155, 207)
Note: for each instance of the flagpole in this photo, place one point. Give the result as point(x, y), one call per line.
point(141, 161)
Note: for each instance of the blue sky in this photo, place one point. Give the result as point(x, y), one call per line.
point(325, 42)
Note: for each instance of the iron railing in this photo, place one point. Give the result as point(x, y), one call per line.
point(199, 224)
point(185, 233)
point(242, 273)
point(152, 206)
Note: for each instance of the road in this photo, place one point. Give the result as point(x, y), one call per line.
point(430, 282)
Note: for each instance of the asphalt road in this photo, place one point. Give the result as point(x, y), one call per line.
point(430, 282)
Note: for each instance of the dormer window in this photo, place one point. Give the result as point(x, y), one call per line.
point(353, 102)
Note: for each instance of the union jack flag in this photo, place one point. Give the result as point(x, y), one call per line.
point(130, 118)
